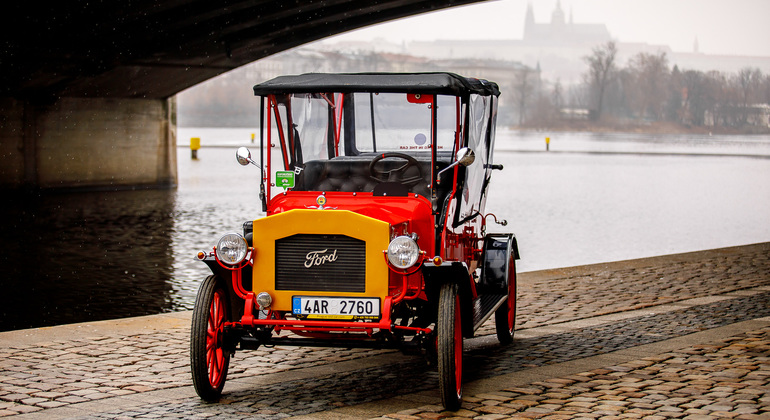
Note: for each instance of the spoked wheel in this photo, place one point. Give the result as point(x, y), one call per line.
point(505, 316)
point(450, 347)
point(208, 359)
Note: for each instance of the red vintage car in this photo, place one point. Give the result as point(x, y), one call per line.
point(374, 188)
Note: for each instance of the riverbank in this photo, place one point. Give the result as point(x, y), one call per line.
point(640, 127)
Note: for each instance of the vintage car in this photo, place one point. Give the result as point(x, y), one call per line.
point(374, 188)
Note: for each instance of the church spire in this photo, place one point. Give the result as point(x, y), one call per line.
point(557, 17)
point(529, 22)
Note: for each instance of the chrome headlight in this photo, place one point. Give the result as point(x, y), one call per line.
point(232, 248)
point(403, 252)
point(264, 300)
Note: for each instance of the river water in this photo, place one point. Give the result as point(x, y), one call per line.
point(73, 257)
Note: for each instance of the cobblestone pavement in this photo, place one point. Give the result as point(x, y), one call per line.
point(39, 377)
point(717, 381)
point(568, 294)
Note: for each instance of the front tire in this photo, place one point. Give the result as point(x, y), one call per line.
point(505, 315)
point(209, 360)
point(450, 347)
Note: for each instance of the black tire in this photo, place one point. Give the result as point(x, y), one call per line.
point(505, 316)
point(450, 347)
point(209, 361)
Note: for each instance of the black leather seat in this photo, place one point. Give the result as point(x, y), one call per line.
point(336, 175)
point(352, 174)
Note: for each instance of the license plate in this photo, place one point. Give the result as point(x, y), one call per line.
point(325, 307)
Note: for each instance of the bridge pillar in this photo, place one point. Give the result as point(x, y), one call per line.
point(88, 143)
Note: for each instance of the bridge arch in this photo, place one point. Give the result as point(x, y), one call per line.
point(85, 85)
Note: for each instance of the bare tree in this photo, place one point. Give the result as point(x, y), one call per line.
point(546, 107)
point(721, 98)
point(674, 97)
point(696, 96)
point(601, 65)
point(650, 73)
point(524, 89)
point(765, 92)
point(619, 98)
point(578, 96)
point(557, 97)
point(749, 79)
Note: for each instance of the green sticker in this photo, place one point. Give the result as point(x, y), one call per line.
point(284, 179)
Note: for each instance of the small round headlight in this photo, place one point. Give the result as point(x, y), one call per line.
point(264, 300)
point(403, 252)
point(232, 248)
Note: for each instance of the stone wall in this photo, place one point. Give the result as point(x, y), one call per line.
point(88, 143)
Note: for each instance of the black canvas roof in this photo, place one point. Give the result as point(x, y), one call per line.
point(426, 83)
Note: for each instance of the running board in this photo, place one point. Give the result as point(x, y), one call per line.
point(252, 343)
point(484, 306)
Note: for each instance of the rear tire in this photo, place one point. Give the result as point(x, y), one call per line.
point(505, 316)
point(209, 360)
point(450, 347)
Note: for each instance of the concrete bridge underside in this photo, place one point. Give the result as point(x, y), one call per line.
point(86, 87)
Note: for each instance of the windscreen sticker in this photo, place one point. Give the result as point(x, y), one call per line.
point(284, 179)
point(420, 143)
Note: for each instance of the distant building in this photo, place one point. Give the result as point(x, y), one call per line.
point(757, 115)
point(558, 46)
point(227, 100)
point(552, 52)
point(561, 45)
point(561, 32)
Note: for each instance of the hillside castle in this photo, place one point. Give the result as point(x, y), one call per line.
point(562, 32)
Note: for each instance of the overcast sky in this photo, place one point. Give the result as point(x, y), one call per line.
point(734, 27)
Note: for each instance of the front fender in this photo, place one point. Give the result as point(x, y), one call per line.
point(498, 248)
point(451, 272)
point(226, 276)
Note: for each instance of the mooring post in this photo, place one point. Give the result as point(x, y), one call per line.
point(195, 144)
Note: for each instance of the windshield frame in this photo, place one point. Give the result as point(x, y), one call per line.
point(284, 153)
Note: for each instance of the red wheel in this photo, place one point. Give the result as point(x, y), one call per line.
point(209, 361)
point(505, 316)
point(450, 347)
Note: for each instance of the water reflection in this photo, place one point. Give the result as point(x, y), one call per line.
point(99, 255)
point(85, 256)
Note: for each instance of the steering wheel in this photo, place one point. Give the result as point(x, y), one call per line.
point(392, 175)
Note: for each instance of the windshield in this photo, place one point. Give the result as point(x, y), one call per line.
point(304, 129)
point(397, 122)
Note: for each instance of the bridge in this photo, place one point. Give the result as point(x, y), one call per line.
point(87, 86)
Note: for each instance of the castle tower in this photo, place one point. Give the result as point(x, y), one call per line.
point(529, 21)
point(557, 17)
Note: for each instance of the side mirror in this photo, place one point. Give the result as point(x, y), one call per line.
point(464, 156)
point(243, 155)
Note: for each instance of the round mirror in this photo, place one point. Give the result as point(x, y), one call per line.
point(465, 156)
point(243, 155)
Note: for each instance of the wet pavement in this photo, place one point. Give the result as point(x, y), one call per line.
point(680, 336)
